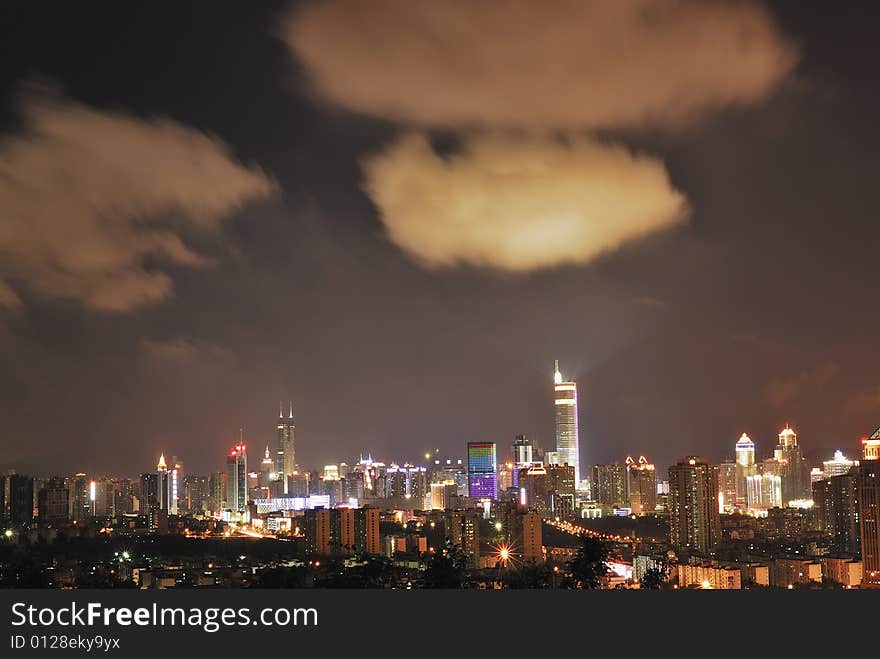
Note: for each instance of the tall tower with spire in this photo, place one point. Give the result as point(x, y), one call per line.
point(162, 478)
point(567, 440)
point(285, 455)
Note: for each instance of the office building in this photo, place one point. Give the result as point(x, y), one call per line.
point(567, 437)
point(837, 465)
point(236, 478)
point(642, 485)
point(561, 488)
point(285, 452)
point(869, 509)
point(482, 470)
point(523, 456)
point(535, 492)
point(794, 471)
point(727, 486)
point(609, 485)
point(80, 506)
point(836, 504)
point(745, 467)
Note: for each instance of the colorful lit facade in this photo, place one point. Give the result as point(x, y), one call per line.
point(482, 470)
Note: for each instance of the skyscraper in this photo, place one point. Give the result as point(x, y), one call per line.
point(567, 442)
point(727, 485)
point(162, 479)
point(609, 485)
point(838, 465)
point(523, 456)
point(236, 478)
point(285, 456)
point(869, 509)
point(694, 522)
point(745, 467)
point(794, 472)
point(482, 470)
point(836, 501)
point(642, 486)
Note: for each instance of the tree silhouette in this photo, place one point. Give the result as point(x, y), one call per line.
point(529, 575)
point(654, 578)
point(589, 564)
point(446, 568)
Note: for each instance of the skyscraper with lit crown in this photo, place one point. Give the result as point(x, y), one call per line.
point(745, 467)
point(869, 509)
point(285, 456)
point(236, 478)
point(567, 444)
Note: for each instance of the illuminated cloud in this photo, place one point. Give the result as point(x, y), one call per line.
point(562, 64)
point(8, 297)
point(94, 203)
point(518, 203)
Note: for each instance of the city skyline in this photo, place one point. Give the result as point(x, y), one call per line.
point(722, 285)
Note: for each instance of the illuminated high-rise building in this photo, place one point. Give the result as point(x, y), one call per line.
point(523, 456)
point(869, 509)
point(764, 490)
point(463, 530)
point(642, 485)
point(236, 478)
point(567, 441)
point(482, 470)
point(745, 467)
point(837, 465)
point(80, 507)
point(836, 505)
point(175, 485)
point(560, 485)
point(694, 521)
point(162, 478)
point(285, 455)
point(534, 483)
point(267, 478)
point(727, 485)
point(794, 471)
point(609, 485)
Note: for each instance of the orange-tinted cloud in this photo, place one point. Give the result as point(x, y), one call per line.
point(565, 64)
point(518, 203)
point(95, 202)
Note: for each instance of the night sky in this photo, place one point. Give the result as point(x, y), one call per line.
point(199, 219)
